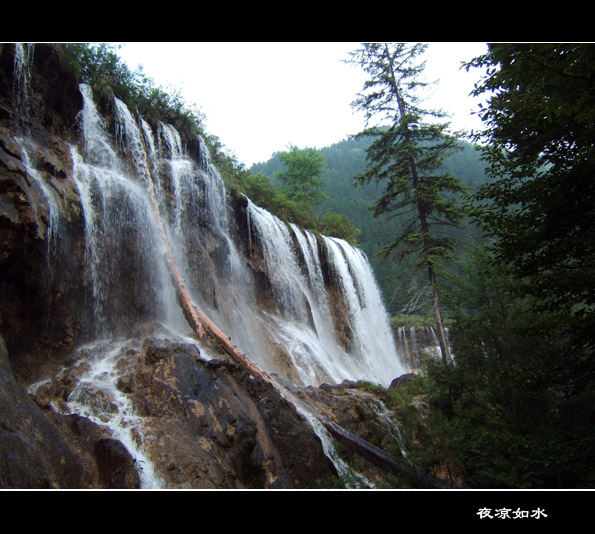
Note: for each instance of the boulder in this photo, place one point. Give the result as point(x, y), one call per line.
point(33, 452)
point(403, 380)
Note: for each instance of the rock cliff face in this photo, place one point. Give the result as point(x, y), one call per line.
point(97, 389)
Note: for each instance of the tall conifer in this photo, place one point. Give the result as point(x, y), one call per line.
point(406, 158)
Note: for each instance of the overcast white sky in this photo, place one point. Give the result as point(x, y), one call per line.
point(261, 97)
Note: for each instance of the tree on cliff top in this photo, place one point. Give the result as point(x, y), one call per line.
point(407, 157)
point(301, 179)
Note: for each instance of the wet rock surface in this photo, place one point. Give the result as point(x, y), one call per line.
point(33, 452)
point(201, 423)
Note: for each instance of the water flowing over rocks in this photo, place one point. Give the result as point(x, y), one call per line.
point(103, 383)
point(203, 423)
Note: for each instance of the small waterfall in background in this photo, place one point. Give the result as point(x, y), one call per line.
point(21, 84)
point(417, 344)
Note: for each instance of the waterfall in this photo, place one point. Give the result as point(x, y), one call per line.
point(98, 398)
point(130, 283)
point(374, 351)
point(303, 318)
point(416, 344)
point(126, 259)
point(50, 196)
point(352, 478)
point(384, 414)
point(123, 243)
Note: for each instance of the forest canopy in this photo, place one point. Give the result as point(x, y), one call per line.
point(518, 408)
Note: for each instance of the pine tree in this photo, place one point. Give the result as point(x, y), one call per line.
point(406, 158)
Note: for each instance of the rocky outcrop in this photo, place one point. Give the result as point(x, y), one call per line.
point(33, 451)
point(34, 298)
point(200, 423)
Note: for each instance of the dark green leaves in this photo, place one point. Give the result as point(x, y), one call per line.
point(302, 175)
point(406, 156)
point(540, 145)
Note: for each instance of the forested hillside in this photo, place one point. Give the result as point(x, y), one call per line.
point(346, 159)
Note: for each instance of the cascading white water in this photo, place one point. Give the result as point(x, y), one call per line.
point(41, 187)
point(192, 196)
point(98, 398)
point(123, 243)
point(374, 347)
point(303, 321)
point(22, 77)
point(50, 196)
point(126, 260)
point(385, 415)
point(351, 477)
point(193, 202)
point(417, 344)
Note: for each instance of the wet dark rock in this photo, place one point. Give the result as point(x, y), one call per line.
point(115, 465)
point(33, 453)
point(222, 428)
point(403, 380)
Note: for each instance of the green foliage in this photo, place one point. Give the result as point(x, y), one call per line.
point(260, 189)
point(399, 282)
point(409, 320)
point(301, 179)
point(406, 157)
point(338, 225)
point(514, 407)
point(403, 395)
point(263, 192)
point(422, 435)
point(539, 144)
point(519, 404)
point(293, 193)
point(99, 66)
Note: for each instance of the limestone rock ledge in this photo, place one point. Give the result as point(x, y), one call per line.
point(201, 423)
